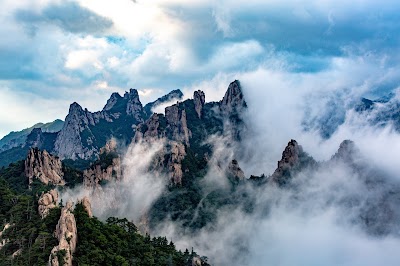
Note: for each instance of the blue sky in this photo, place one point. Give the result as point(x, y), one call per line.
point(54, 52)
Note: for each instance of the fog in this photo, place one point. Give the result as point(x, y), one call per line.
point(320, 219)
point(133, 195)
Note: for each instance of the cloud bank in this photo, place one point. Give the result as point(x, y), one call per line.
point(81, 50)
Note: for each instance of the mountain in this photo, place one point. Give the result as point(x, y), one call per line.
point(18, 138)
point(83, 133)
point(183, 171)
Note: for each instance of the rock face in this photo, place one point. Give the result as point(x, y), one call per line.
point(44, 166)
point(3, 242)
point(108, 168)
point(177, 124)
point(293, 159)
point(152, 129)
point(84, 132)
point(347, 152)
point(87, 206)
point(233, 101)
point(199, 99)
point(66, 233)
point(47, 201)
point(192, 122)
point(235, 172)
point(174, 165)
point(95, 176)
point(196, 261)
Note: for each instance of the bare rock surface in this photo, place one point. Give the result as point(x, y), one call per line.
point(199, 99)
point(87, 206)
point(47, 201)
point(44, 166)
point(66, 233)
point(235, 171)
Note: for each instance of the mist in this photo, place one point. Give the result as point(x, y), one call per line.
point(320, 218)
point(132, 196)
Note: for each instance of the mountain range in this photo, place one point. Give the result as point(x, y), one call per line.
point(180, 168)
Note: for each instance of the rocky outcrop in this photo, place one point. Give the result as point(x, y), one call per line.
point(233, 101)
point(111, 146)
point(178, 153)
point(196, 261)
point(346, 153)
point(199, 99)
point(177, 128)
point(293, 159)
point(87, 206)
point(69, 143)
point(80, 136)
point(47, 201)
point(3, 242)
point(134, 107)
point(43, 166)
point(152, 129)
point(95, 176)
point(66, 233)
point(115, 97)
point(235, 172)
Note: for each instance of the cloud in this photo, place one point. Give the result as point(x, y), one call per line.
point(165, 45)
point(132, 196)
point(68, 15)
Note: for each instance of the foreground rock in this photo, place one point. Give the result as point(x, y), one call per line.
point(45, 167)
point(66, 233)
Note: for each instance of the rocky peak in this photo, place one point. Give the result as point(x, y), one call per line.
point(66, 233)
point(199, 100)
point(68, 143)
point(293, 158)
point(47, 201)
point(235, 172)
point(347, 152)
point(134, 106)
point(290, 155)
point(44, 166)
point(177, 123)
point(87, 206)
point(233, 100)
point(75, 108)
point(112, 101)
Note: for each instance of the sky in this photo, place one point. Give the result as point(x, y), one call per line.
point(55, 52)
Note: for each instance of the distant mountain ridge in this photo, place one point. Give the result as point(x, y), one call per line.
point(84, 133)
point(18, 138)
